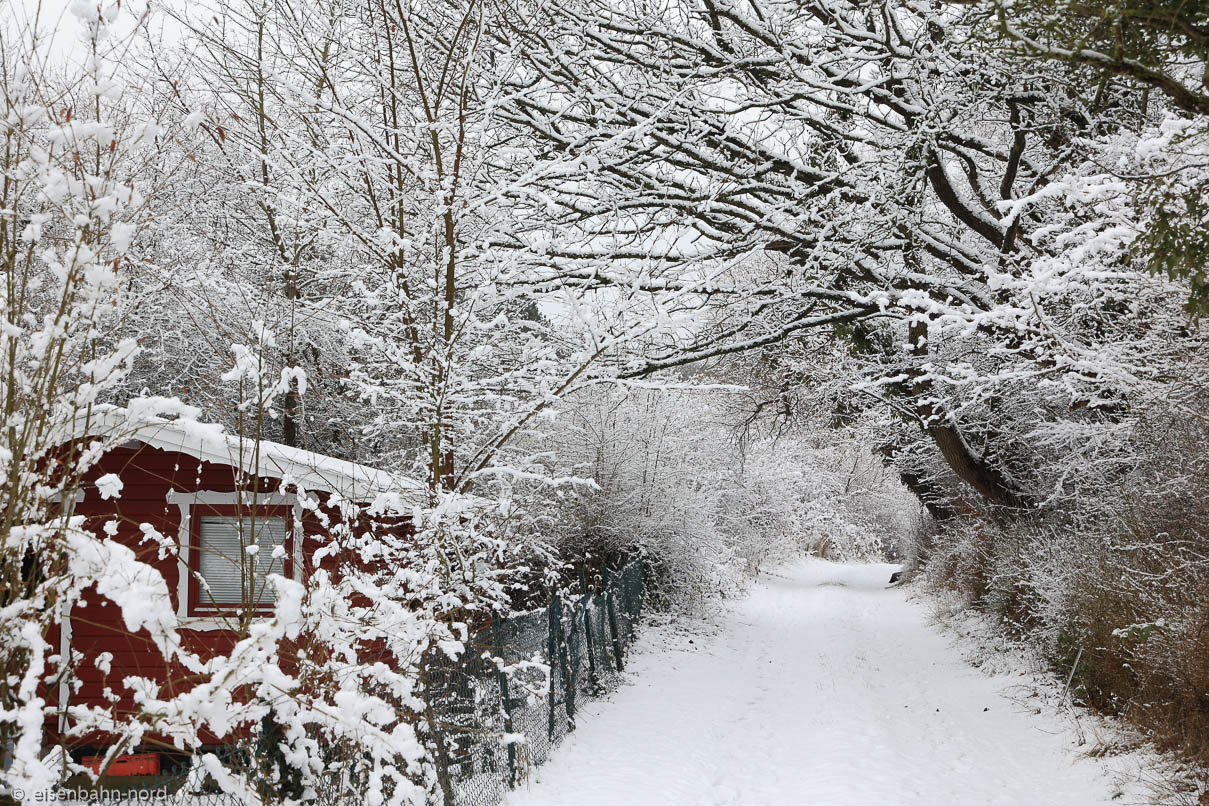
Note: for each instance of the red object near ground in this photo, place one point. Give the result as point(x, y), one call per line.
point(134, 764)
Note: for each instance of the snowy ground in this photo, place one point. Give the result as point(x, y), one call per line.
point(824, 688)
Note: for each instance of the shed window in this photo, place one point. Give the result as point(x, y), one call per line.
point(238, 551)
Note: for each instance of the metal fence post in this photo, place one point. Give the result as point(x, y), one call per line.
point(568, 673)
point(504, 700)
point(441, 761)
point(551, 656)
point(586, 601)
point(612, 611)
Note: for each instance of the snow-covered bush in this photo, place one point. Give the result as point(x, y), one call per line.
point(1118, 579)
point(73, 204)
point(676, 485)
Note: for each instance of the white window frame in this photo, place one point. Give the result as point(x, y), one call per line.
point(185, 502)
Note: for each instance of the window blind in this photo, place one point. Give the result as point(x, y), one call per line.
point(224, 558)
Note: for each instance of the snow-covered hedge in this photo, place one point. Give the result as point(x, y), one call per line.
point(1118, 580)
point(674, 482)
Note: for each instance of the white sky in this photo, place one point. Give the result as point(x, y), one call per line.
point(60, 31)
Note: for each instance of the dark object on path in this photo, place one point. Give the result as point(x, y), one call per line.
point(896, 577)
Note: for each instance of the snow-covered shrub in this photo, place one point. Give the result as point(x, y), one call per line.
point(657, 472)
point(674, 484)
point(74, 205)
point(854, 509)
point(1117, 578)
point(333, 686)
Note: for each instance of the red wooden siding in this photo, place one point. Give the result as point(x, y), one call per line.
point(147, 474)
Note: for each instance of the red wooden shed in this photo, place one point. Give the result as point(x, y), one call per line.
point(214, 495)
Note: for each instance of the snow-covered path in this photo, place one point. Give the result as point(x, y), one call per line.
point(822, 688)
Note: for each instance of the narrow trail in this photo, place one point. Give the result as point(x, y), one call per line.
point(824, 688)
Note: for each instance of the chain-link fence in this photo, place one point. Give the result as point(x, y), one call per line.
point(493, 714)
point(503, 707)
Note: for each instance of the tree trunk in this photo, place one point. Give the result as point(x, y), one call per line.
point(987, 479)
point(922, 488)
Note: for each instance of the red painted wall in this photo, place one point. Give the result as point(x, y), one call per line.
point(147, 474)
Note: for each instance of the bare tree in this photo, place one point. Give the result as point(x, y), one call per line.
point(876, 156)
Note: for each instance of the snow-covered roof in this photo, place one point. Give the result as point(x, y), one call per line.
point(210, 442)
